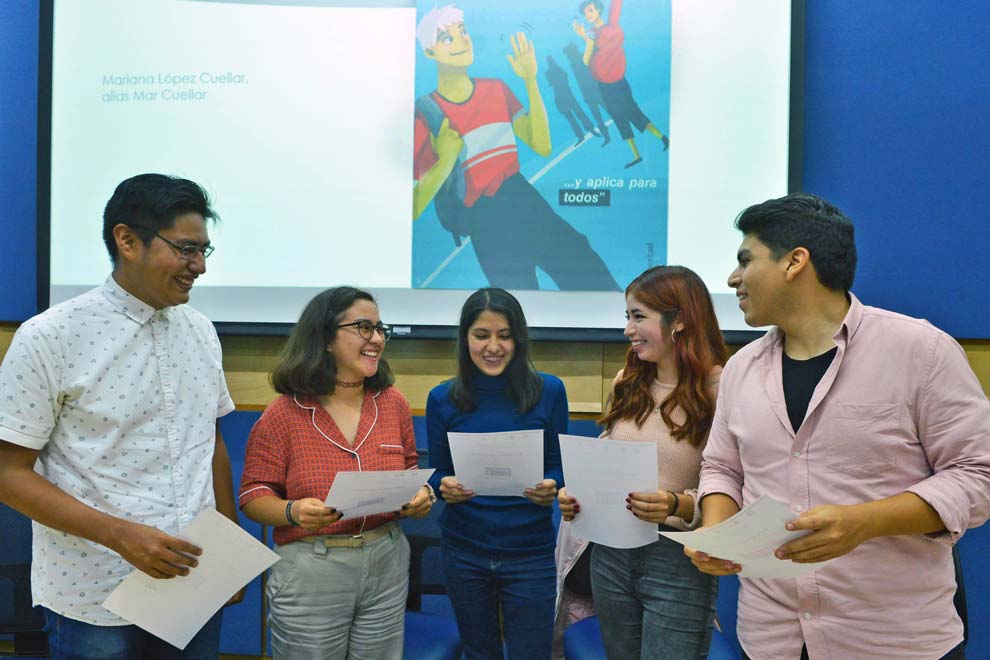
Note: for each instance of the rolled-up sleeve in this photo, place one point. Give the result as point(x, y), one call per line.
point(721, 466)
point(265, 468)
point(30, 387)
point(954, 430)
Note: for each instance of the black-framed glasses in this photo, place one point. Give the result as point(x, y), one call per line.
point(189, 252)
point(367, 329)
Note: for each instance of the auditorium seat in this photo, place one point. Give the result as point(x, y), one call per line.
point(20, 623)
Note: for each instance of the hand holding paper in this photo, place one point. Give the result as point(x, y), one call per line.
point(746, 543)
point(600, 474)
point(542, 494)
point(835, 531)
point(154, 552)
point(358, 494)
point(419, 506)
point(504, 463)
point(569, 506)
point(453, 491)
point(653, 506)
point(312, 514)
point(176, 609)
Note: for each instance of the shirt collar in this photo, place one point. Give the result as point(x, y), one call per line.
point(136, 310)
point(847, 329)
point(852, 321)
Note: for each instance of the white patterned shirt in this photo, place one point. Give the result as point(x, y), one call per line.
point(122, 400)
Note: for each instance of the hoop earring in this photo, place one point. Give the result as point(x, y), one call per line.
point(673, 335)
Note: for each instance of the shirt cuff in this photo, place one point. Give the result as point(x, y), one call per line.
point(955, 524)
point(225, 408)
point(255, 492)
point(7, 434)
point(696, 520)
point(719, 485)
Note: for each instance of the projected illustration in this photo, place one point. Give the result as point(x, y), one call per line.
point(540, 144)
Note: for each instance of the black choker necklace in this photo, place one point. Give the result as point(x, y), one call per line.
point(347, 383)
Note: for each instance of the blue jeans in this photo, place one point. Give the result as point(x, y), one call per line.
point(652, 602)
point(69, 639)
point(522, 585)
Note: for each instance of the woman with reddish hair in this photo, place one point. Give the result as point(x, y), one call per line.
point(651, 601)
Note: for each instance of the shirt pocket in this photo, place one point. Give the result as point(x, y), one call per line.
point(863, 438)
point(393, 457)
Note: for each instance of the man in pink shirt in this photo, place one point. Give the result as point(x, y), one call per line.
point(869, 425)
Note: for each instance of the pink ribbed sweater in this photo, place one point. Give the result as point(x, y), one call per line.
point(679, 460)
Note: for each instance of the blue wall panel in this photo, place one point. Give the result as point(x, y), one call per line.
point(242, 623)
point(897, 134)
point(18, 161)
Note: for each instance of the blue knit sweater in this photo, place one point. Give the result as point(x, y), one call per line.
point(497, 524)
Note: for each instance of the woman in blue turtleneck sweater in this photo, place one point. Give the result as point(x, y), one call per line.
point(498, 552)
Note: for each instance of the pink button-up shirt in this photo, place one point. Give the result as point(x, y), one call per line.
point(898, 410)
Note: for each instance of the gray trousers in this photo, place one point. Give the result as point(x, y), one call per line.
point(339, 603)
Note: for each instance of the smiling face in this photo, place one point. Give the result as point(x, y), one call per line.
point(453, 47)
point(154, 273)
point(356, 357)
point(759, 281)
point(649, 333)
point(490, 343)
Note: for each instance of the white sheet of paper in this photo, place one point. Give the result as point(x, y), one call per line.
point(359, 494)
point(504, 463)
point(176, 609)
point(600, 474)
point(749, 539)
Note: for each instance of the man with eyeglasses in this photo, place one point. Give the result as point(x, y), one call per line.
point(116, 395)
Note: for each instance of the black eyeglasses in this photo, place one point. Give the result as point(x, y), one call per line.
point(189, 252)
point(367, 329)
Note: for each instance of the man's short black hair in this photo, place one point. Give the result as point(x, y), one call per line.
point(149, 203)
point(808, 221)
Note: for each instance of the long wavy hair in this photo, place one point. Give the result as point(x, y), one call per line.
point(522, 380)
point(678, 294)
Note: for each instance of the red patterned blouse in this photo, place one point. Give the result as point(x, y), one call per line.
point(295, 450)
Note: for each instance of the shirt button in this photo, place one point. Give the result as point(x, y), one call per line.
point(807, 615)
point(799, 508)
point(797, 454)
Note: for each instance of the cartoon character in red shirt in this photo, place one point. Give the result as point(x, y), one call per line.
point(606, 60)
point(466, 162)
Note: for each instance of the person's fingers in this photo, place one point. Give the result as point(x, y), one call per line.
point(802, 545)
point(183, 546)
point(806, 521)
point(178, 559)
point(170, 568)
point(525, 45)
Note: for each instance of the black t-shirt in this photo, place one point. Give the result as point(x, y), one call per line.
point(801, 377)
